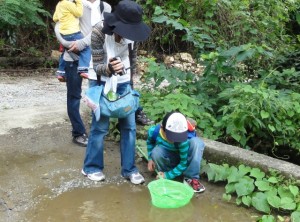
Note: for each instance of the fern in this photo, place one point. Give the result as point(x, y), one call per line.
point(25, 13)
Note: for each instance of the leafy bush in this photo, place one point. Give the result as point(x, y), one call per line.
point(14, 13)
point(177, 90)
point(253, 187)
point(254, 115)
point(24, 24)
point(206, 25)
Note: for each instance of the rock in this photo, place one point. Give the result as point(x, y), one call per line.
point(55, 54)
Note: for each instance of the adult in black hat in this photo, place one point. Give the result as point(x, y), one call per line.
point(121, 28)
point(126, 21)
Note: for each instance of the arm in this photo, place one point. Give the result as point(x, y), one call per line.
point(150, 143)
point(181, 167)
point(65, 43)
point(76, 9)
point(86, 30)
point(134, 59)
point(55, 17)
point(98, 53)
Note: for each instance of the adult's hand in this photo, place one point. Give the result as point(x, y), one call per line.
point(73, 47)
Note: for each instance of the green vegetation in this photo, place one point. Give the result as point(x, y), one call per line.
point(248, 94)
point(250, 187)
point(25, 28)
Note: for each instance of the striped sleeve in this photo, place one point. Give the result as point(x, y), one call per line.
point(181, 167)
point(150, 142)
point(97, 43)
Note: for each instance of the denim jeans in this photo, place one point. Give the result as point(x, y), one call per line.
point(73, 98)
point(84, 55)
point(94, 160)
point(166, 160)
point(61, 65)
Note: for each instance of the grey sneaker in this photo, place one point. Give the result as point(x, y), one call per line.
point(81, 140)
point(97, 176)
point(136, 178)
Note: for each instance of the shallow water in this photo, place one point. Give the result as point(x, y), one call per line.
point(130, 203)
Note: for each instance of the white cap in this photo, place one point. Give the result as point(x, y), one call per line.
point(176, 128)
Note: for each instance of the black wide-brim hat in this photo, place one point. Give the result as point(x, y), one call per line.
point(126, 21)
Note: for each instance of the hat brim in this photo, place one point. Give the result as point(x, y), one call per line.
point(176, 137)
point(135, 32)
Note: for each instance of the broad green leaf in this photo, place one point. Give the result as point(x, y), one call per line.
point(298, 207)
point(160, 19)
point(244, 187)
point(295, 216)
point(287, 203)
point(285, 192)
point(238, 201)
point(220, 172)
point(211, 174)
point(246, 200)
point(264, 114)
point(294, 190)
point(244, 169)
point(274, 201)
point(259, 201)
point(273, 180)
point(268, 218)
point(272, 192)
point(226, 197)
point(244, 55)
point(262, 185)
point(236, 136)
point(158, 10)
point(271, 127)
point(232, 51)
point(234, 176)
point(230, 188)
point(257, 173)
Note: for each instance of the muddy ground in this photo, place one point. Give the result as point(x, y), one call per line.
point(37, 156)
point(38, 160)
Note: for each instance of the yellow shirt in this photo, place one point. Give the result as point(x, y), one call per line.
point(68, 13)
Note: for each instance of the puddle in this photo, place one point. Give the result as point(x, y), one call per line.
point(130, 203)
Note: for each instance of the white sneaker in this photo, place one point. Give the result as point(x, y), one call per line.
point(97, 176)
point(136, 178)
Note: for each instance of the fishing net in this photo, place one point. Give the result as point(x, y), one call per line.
point(169, 194)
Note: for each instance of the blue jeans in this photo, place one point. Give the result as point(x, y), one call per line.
point(73, 98)
point(61, 66)
point(166, 160)
point(94, 161)
point(84, 55)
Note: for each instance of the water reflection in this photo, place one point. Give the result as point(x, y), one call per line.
point(130, 203)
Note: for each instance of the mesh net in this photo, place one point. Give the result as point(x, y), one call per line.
point(169, 194)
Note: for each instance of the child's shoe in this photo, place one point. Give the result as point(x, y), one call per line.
point(61, 78)
point(84, 75)
point(195, 184)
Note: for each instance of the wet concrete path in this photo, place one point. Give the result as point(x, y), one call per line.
point(41, 181)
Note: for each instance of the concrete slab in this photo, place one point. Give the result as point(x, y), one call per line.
point(219, 153)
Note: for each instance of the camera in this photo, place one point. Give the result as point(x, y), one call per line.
point(123, 72)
